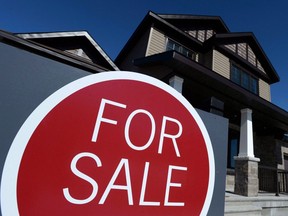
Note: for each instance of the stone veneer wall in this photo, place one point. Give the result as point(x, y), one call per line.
point(265, 149)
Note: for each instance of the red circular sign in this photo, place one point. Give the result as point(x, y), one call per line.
point(117, 143)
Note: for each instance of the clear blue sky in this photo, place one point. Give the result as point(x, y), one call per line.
point(111, 23)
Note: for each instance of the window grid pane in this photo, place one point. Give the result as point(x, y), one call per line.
point(244, 79)
point(172, 45)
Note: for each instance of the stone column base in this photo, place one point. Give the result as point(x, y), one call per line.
point(246, 176)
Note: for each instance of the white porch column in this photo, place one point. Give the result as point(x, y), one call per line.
point(246, 165)
point(177, 83)
point(246, 146)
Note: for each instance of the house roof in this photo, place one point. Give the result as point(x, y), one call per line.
point(251, 40)
point(59, 55)
point(176, 24)
point(73, 41)
point(156, 20)
point(209, 22)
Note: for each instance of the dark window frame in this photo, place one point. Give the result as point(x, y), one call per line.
point(253, 81)
point(233, 147)
point(181, 49)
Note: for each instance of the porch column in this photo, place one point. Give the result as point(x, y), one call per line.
point(246, 165)
point(177, 83)
point(246, 147)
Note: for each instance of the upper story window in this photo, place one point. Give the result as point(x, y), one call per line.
point(172, 45)
point(244, 79)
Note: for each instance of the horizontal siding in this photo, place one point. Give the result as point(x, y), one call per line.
point(264, 90)
point(157, 42)
point(221, 64)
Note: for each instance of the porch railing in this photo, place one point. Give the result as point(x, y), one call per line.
point(273, 180)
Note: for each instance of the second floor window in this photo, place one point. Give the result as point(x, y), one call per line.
point(172, 45)
point(244, 79)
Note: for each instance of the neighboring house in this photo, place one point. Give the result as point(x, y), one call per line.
point(77, 43)
point(219, 71)
point(33, 66)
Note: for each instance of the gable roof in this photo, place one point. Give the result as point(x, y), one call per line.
point(176, 25)
point(249, 38)
point(58, 55)
point(77, 42)
point(199, 21)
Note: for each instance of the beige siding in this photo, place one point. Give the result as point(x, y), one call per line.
point(264, 90)
point(209, 34)
point(246, 52)
point(242, 50)
point(221, 64)
point(201, 35)
point(251, 56)
point(259, 66)
point(192, 33)
point(157, 42)
point(232, 47)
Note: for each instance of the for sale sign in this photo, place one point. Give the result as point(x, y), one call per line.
point(115, 143)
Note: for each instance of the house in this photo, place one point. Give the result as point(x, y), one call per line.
point(224, 73)
point(33, 66)
point(78, 43)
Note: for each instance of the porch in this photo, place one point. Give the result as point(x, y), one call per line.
point(272, 198)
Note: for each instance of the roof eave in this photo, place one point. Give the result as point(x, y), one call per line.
point(218, 19)
point(260, 105)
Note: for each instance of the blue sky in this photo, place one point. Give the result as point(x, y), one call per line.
point(111, 23)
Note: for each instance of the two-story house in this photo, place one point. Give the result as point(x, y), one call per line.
point(218, 71)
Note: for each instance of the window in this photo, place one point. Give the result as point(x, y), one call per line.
point(233, 147)
point(286, 162)
point(244, 79)
point(172, 45)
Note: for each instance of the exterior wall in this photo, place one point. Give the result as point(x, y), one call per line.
point(282, 150)
point(265, 148)
point(264, 90)
point(138, 51)
point(221, 64)
point(157, 42)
